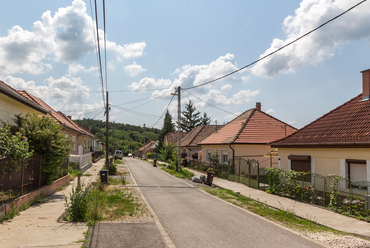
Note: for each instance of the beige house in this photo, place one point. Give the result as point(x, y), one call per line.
point(248, 136)
point(12, 103)
point(336, 143)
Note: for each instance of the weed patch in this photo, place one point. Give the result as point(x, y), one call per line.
point(182, 173)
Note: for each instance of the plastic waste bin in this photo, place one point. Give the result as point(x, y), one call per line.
point(104, 176)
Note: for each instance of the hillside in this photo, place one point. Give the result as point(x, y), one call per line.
point(122, 134)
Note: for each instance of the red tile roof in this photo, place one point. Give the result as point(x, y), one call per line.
point(251, 127)
point(346, 125)
point(59, 116)
point(172, 137)
point(195, 136)
point(148, 145)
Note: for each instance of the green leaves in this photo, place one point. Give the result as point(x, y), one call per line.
point(15, 148)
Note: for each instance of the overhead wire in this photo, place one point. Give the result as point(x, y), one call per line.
point(100, 64)
point(277, 50)
point(95, 44)
point(105, 48)
point(163, 112)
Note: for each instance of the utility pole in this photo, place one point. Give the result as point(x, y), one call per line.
point(106, 135)
point(113, 138)
point(178, 126)
point(144, 141)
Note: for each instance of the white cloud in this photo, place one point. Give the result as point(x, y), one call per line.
point(65, 93)
point(149, 83)
point(246, 78)
point(75, 68)
point(215, 97)
point(292, 123)
point(320, 45)
point(64, 37)
point(270, 112)
point(134, 69)
point(226, 87)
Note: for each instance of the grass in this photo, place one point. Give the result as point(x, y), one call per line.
point(60, 188)
point(113, 181)
point(182, 173)
point(15, 211)
point(286, 218)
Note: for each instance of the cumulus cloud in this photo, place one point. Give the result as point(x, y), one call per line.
point(64, 37)
point(320, 45)
point(75, 68)
point(134, 69)
point(193, 75)
point(226, 87)
point(149, 83)
point(270, 111)
point(58, 93)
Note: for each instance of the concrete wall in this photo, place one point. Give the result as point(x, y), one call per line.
point(10, 107)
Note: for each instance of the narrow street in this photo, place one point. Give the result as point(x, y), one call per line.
point(195, 219)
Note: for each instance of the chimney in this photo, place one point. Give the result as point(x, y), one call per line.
point(258, 106)
point(366, 84)
point(70, 117)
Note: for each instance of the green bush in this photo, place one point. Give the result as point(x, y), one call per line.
point(148, 155)
point(77, 208)
point(112, 169)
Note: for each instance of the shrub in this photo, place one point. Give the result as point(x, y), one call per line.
point(77, 208)
point(112, 169)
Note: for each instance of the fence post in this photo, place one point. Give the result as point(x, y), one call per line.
point(324, 200)
point(22, 176)
point(239, 172)
point(258, 175)
point(249, 172)
point(40, 162)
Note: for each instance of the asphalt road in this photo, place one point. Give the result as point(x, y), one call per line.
point(195, 219)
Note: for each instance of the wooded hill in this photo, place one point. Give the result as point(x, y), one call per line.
point(123, 135)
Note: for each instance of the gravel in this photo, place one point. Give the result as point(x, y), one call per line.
point(337, 241)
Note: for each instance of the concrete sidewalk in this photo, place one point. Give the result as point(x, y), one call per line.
point(314, 213)
point(38, 225)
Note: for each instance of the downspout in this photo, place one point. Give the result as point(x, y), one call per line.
point(228, 164)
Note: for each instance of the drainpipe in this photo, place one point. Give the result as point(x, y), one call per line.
point(228, 165)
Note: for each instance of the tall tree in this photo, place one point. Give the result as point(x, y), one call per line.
point(206, 120)
point(167, 128)
point(191, 117)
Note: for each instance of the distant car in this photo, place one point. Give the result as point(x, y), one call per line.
point(130, 155)
point(118, 154)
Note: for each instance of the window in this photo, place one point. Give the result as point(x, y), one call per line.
point(356, 170)
point(208, 154)
point(300, 163)
point(74, 142)
point(224, 156)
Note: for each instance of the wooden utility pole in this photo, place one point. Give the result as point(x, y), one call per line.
point(106, 135)
point(144, 141)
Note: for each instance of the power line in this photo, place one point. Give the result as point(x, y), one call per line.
point(105, 49)
point(210, 104)
point(277, 50)
point(137, 112)
point(163, 112)
point(92, 91)
point(96, 52)
point(97, 35)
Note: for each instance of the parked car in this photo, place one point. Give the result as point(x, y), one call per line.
point(118, 154)
point(129, 155)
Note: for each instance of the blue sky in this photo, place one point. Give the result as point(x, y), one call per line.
point(48, 46)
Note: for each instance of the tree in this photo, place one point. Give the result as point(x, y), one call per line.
point(167, 128)
point(15, 148)
point(206, 120)
point(191, 118)
point(47, 139)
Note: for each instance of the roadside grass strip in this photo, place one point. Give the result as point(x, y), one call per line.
point(183, 173)
point(286, 218)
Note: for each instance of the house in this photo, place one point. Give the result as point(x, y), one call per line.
point(190, 143)
point(12, 103)
point(172, 137)
point(247, 136)
point(148, 147)
point(80, 136)
point(336, 143)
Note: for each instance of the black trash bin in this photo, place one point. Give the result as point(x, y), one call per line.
point(210, 176)
point(104, 176)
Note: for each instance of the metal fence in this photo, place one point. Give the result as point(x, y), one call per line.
point(28, 178)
